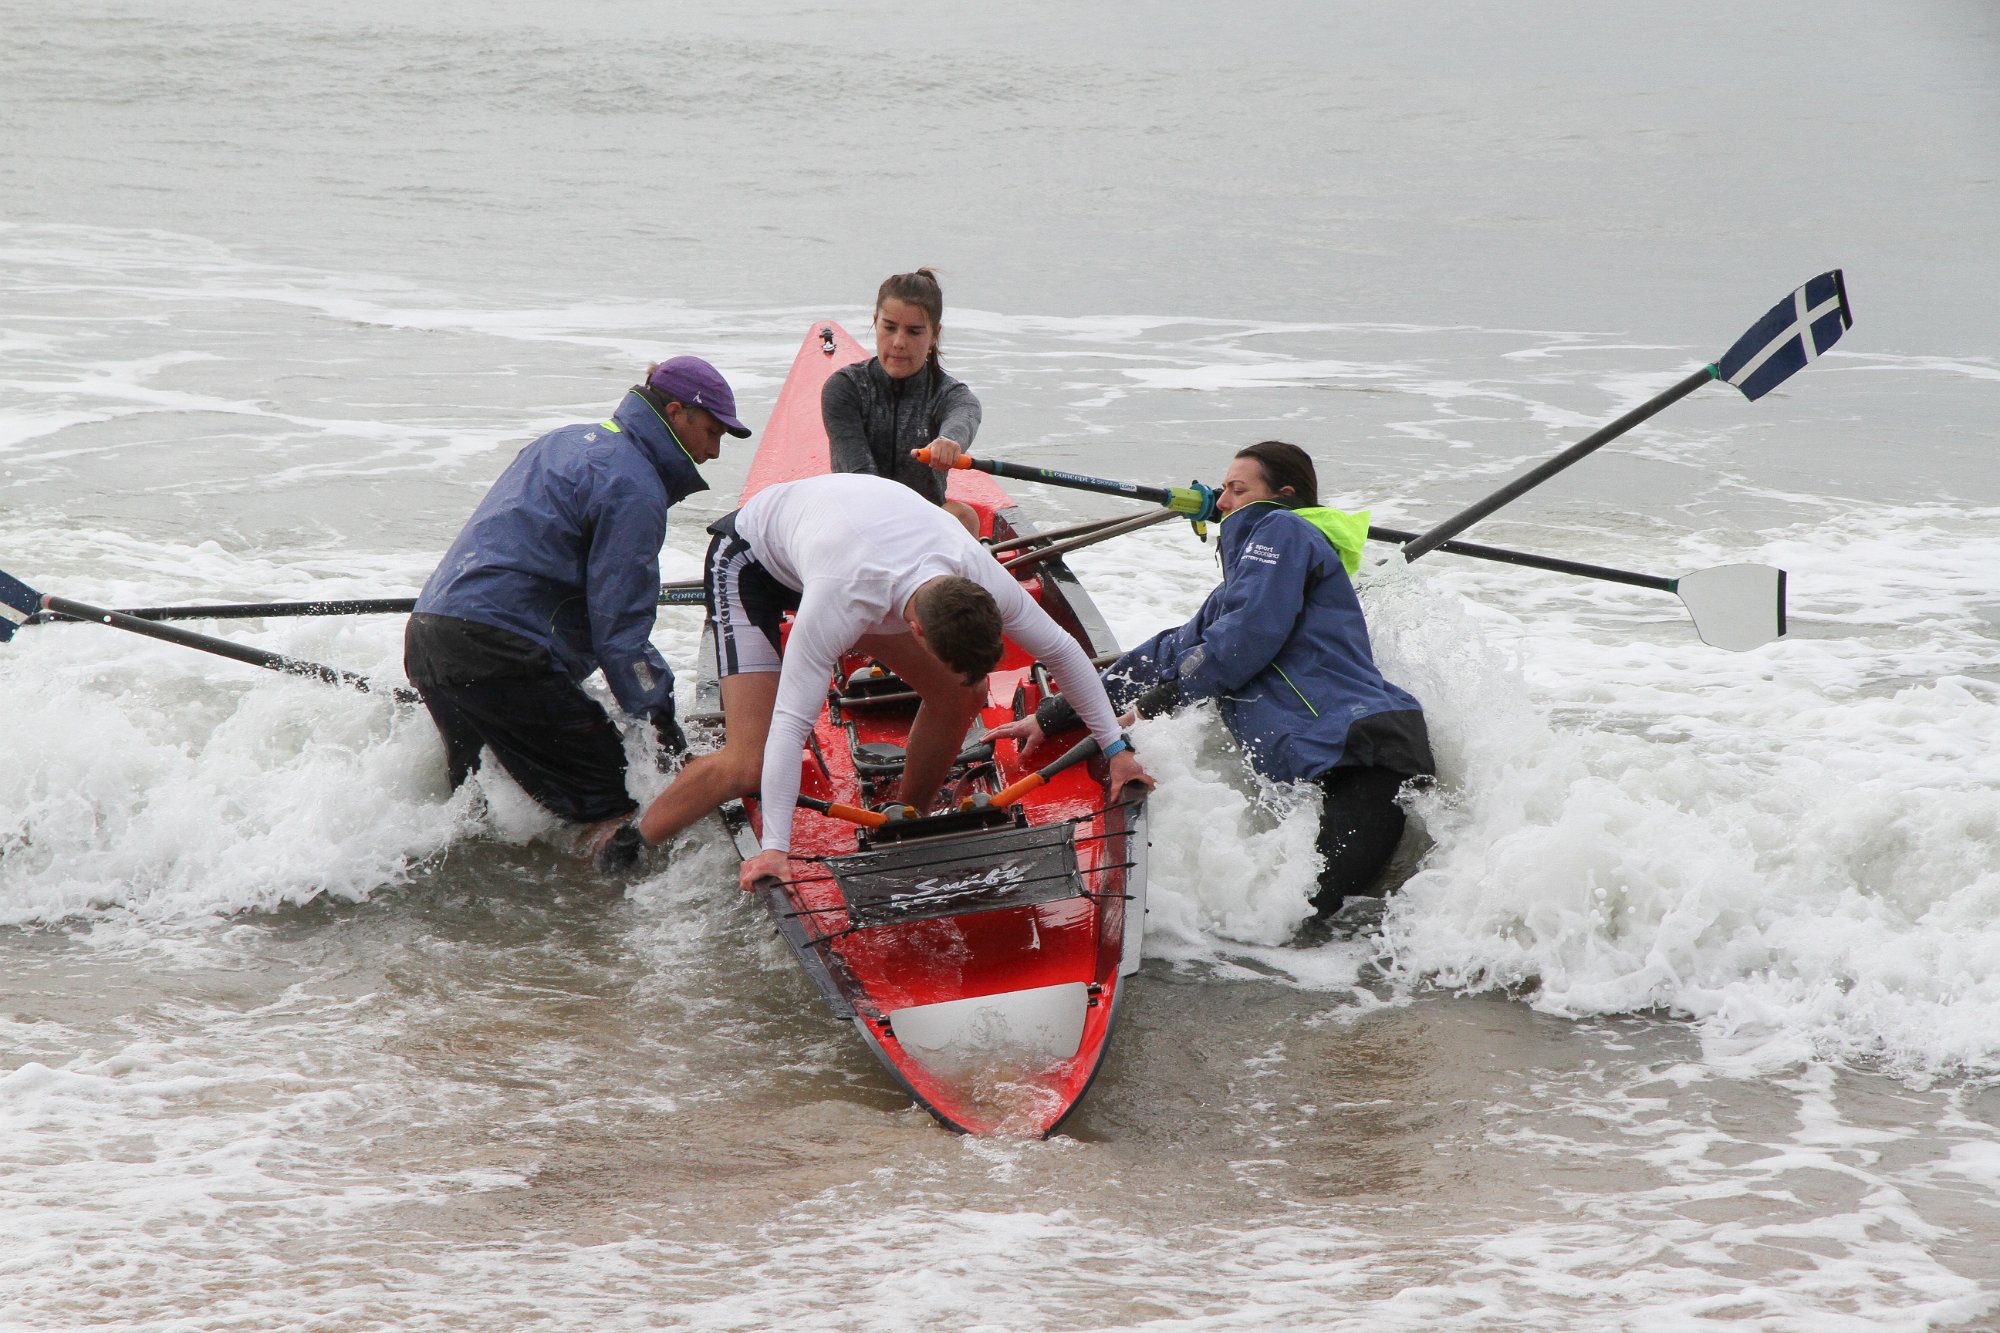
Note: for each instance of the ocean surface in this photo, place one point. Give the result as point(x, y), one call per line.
point(1686, 1014)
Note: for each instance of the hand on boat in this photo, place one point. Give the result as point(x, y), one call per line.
point(1025, 732)
point(764, 865)
point(943, 453)
point(1127, 774)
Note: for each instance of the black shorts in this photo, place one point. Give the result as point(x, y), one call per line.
point(489, 689)
point(746, 605)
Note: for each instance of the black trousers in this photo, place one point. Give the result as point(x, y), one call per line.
point(551, 737)
point(488, 689)
point(1359, 827)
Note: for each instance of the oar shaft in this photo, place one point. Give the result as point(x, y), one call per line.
point(1162, 495)
point(1020, 787)
point(1053, 477)
point(1534, 477)
point(1102, 533)
point(222, 647)
point(364, 606)
point(1507, 557)
point(1022, 542)
point(671, 594)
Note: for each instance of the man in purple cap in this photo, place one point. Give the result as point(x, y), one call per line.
point(556, 575)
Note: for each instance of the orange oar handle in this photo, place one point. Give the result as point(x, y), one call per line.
point(1020, 787)
point(853, 814)
point(1010, 794)
point(960, 464)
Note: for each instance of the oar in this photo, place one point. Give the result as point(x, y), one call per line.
point(686, 593)
point(1734, 606)
point(1737, 607)
point(1006, 796)
point(854, 814)
point(1020, 787)
point(998, 545)
point(1098, 533)
point(18, 602)
point(1790, 336)
point(1193, 501)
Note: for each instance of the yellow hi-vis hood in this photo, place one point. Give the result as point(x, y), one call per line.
point(1348, 532)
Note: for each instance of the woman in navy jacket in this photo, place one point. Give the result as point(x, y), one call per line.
point(1282, 648)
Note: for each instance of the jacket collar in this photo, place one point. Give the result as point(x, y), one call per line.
point(1234, 528)
point(889, 384)
point(653, 437)
point(1346, 533)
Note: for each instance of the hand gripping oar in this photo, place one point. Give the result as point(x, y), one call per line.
point(686, 593)
point(1791, 335)
point(18, 602)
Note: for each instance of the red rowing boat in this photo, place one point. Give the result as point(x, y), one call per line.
point(980, 952)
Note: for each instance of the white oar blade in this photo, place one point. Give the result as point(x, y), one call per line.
point(17, 602)
point(1788, 339)
point(1737, 607)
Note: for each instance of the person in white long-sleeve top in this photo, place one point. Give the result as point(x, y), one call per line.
point(863, 563)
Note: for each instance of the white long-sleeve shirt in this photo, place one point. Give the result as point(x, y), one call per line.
point(857, 548)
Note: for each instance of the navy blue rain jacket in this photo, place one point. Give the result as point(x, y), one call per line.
point(565, 550)
point(1281, 646)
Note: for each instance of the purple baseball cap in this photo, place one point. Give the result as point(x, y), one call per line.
point(692, 381)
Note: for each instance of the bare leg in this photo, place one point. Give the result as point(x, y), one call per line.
point(708, 780)
point(964, 513)
point(943, 717)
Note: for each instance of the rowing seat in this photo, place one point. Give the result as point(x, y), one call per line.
point(877, 760)
point(871, 682)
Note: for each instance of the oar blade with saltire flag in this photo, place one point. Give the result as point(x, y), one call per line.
point(18, 604)
point(1790, 336)
point(1737, 607)
point(1795, 333)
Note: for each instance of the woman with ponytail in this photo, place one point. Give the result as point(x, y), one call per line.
point(878, 412)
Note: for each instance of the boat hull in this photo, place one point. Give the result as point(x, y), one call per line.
point(981, 955)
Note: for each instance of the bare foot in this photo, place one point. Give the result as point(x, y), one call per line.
point(591, 841)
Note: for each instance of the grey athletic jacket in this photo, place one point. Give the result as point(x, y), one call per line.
point(873, 421)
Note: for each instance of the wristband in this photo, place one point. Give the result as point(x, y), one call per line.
point(1120, 744)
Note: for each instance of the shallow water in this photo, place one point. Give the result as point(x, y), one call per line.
point(1685, 1011)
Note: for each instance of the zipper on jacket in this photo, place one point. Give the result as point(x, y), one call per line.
point(1295, 689)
